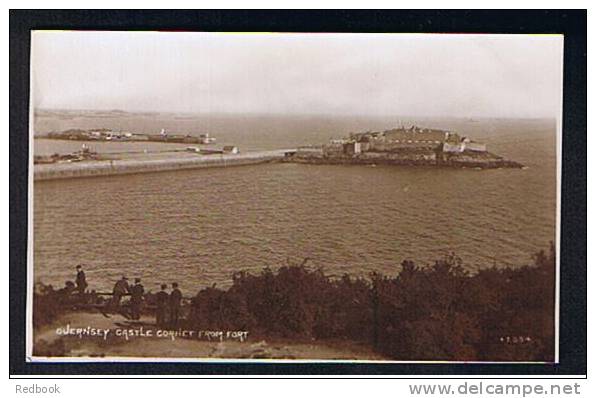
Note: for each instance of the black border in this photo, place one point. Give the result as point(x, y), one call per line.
point(571, 23)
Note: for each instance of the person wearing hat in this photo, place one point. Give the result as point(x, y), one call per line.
point(136, 299)
point(81, 280)
point(161, 300)
point(120, 289)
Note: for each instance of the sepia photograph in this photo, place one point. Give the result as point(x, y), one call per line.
point(294, 197)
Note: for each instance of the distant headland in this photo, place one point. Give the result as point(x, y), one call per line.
point(103, 134)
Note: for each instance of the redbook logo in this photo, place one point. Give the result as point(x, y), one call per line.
point(37, 389)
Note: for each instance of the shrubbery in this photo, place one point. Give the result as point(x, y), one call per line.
point(440, 312)
point(424, 313)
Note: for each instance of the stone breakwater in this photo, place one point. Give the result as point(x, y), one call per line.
point(146, 165)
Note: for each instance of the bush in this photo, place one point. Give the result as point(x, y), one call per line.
point(440, 312)
point(434, 313)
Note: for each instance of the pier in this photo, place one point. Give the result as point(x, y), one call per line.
point(56, 171)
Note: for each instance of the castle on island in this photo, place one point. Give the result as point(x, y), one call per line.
point(413, 138)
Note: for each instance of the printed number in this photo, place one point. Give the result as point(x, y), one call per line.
point(515, 339)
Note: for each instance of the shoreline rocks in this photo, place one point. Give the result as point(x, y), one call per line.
point(484, 160)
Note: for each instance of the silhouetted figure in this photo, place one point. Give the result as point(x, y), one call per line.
point(175, 300)
point(195, 307)
point(120, 289)
point(81, 280)
point(136, 299)
point(161, 300)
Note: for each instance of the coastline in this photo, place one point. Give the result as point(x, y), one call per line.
point(147, 164)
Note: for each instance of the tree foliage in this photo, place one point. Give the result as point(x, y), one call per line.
point(438, 312)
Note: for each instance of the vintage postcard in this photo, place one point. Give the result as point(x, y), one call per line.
point(294, 197)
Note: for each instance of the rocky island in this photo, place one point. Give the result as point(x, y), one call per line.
point(107, 135)
point(413, 146)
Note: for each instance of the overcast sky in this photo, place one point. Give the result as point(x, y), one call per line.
point(360, 74)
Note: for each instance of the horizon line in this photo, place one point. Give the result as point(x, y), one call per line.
point(265, 113)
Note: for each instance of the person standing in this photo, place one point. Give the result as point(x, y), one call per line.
point(175, 300)
point(136, 299)
point(120, 289)
point(81, 280)
point(161, 301)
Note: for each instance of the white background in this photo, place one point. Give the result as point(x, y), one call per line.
point(250, 387)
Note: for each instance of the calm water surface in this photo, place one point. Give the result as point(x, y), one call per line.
point(199, 226)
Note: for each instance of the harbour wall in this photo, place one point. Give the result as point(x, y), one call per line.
point(56, 171)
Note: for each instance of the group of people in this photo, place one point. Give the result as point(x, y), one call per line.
point(168, 305)
point(136, 291)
